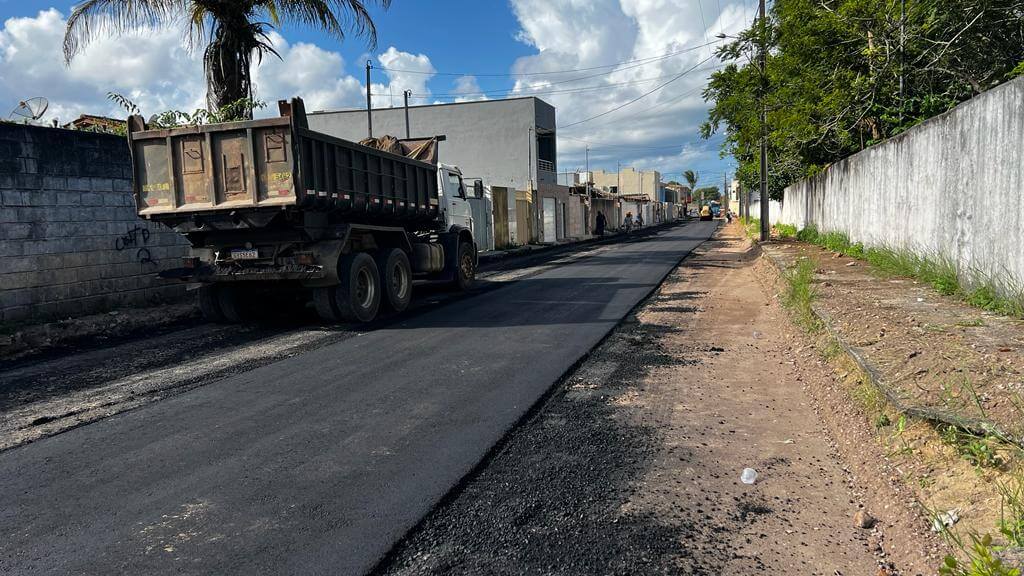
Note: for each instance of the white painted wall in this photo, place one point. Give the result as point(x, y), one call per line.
point(951, 187)
point(774, 211)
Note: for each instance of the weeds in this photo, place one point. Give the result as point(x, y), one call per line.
point(1011, 511)
point(981, 555)
point(980, 451)
point(786, 230)
point(976, 322)
point(752, 227)
point(940, 272)
point(799, 294)
point(981, 560)
point(238, 110)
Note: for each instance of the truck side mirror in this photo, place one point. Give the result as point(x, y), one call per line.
point(478, 188)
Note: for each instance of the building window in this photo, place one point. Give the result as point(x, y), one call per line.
point(546, 152)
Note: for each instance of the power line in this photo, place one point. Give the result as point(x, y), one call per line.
point(629, 146)
point(641, 61)
point(528, 92)
point(645, 94)
point(672, 100)
point(531, 92)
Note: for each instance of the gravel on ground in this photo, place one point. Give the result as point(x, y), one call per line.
point(633, 464)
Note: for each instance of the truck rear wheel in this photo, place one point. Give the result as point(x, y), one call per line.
point(208, 303)
point(396, 279)
point(357, 298)
point(233, 303)
point(323, 301)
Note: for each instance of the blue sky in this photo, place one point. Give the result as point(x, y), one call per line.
point(436, 38)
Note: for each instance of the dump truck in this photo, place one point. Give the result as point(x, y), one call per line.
point(275, 212)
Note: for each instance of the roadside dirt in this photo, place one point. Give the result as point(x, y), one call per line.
point(633, 464)
point(932, 350)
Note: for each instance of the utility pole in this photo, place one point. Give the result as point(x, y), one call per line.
point(407, 93)
point(764, 126)
point(588, 173)
point(725, 189)
point(529, 158)
point(369, 105)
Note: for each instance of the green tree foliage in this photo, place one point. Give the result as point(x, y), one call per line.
point(691, 177)
point(833, 74)
point(707, 194)
point(233, 31)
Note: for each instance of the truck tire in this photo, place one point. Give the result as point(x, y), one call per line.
point(233, 303)
point(357, 298)
point(208, 303)
point(323, 301)
point(465, 267)
point(395, 279)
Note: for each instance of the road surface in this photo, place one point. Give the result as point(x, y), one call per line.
point(317, 463)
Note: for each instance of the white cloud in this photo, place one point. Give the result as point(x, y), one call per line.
point(154, 70)
point(575, 34)
point(468, 88)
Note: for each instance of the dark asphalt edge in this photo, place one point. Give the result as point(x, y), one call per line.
point(343, 332)
point(532, 413)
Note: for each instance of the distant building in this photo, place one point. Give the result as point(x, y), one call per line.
point(508, 142)
point(91, 123)
point(631, 182)
point(677, 193)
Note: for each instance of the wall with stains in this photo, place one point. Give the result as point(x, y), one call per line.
point(70, 240)
point(950, 187)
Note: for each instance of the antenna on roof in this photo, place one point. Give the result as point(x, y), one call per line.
point(31, 109)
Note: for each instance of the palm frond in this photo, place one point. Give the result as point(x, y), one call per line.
point(332, 16)
point(94, 18)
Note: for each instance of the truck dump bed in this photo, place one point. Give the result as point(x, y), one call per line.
point(277, 164)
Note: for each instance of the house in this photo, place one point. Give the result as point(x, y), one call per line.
point(509, 144)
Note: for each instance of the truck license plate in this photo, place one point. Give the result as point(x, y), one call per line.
point(250, 254)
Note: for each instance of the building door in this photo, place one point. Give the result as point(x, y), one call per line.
point(499, 195)
point(550, 227)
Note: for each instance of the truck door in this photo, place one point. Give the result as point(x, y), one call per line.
point(460, 213)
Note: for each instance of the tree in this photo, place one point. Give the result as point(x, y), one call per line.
point(709, 194)
point(691, 177)
point(834, 70)
point(234, 31)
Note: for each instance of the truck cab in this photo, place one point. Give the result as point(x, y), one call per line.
point(455, 207)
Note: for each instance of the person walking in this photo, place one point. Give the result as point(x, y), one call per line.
point(601, 223)
point(639, 220)
point(627, 223)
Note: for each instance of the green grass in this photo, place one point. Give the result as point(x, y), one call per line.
point(980, 451)
point(799, 294)
point(937, 271)
point(980, 555)
point(752, 227)
point(786, 230)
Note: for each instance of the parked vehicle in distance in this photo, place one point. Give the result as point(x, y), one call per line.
point(716, 208)
point(705, 213)
point(274, 211)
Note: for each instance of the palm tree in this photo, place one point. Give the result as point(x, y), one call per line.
point(233, 31)
point(691, 178)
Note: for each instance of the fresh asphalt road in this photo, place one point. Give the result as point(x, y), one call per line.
point(319, 463)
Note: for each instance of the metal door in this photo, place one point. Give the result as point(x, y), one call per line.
point(550, 226)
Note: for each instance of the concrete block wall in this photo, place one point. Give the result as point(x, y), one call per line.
point(70, 241)
point(950, 187)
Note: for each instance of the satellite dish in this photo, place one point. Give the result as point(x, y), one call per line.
point(31, 109)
